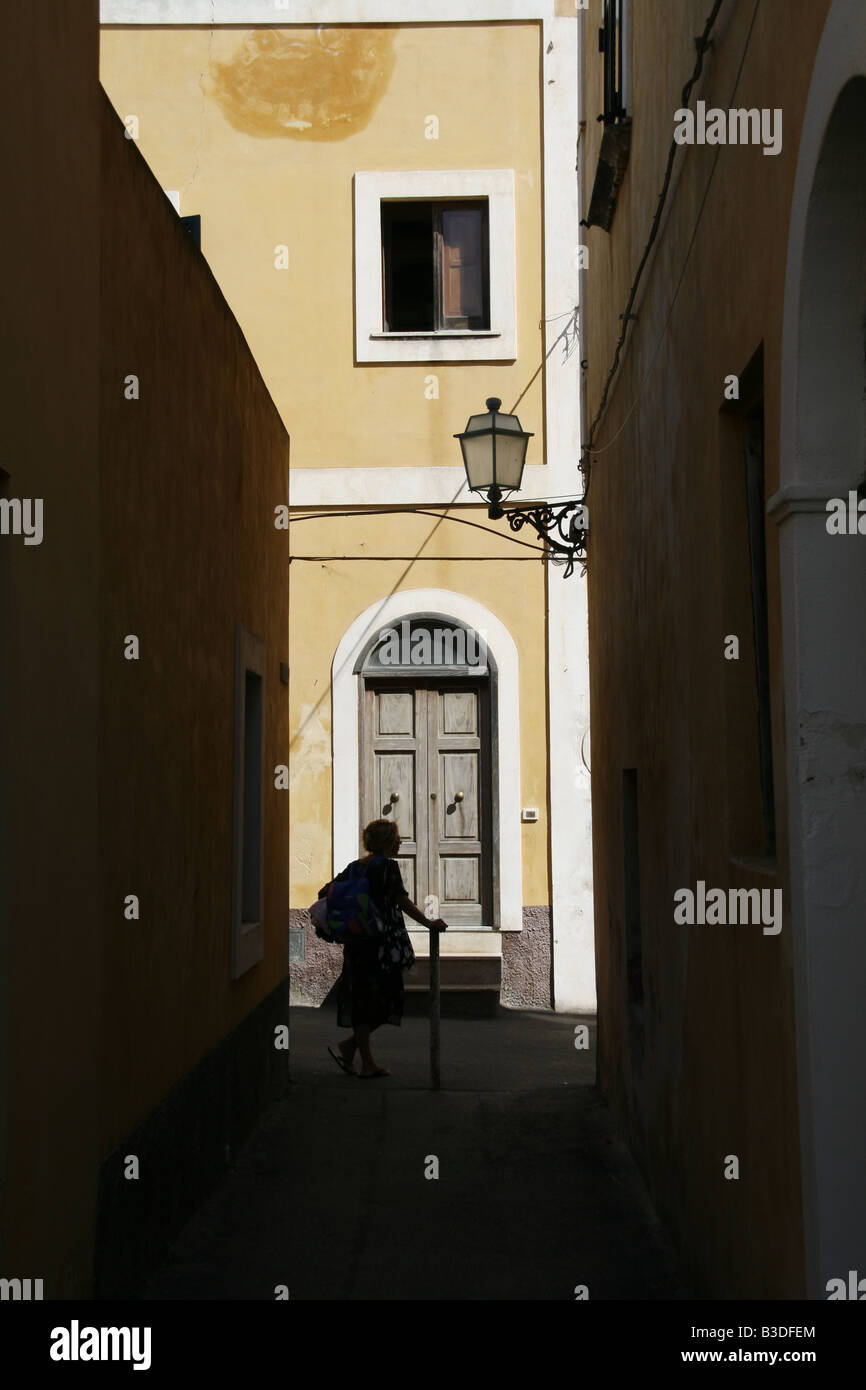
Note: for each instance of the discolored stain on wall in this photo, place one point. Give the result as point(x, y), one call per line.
point(306, 84)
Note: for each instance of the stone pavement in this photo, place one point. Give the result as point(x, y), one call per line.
point(535, 1193)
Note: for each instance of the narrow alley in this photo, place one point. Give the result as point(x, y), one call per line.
point(535, 1194)
point(432, 517)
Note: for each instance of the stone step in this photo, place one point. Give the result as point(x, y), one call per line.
point(456, 974)
point(454, 1003)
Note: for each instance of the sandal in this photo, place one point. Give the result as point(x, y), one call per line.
point(342, 1063)
point(371, 1075)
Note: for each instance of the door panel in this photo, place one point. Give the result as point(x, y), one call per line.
point(454, 752)
point(406, 865)
point(394, 772)
point(395, 790)
point(458, 778)
point(459, 712)
point(396, 712)
point(459, 879)
point(425, 763)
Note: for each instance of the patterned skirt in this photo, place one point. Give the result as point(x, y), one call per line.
point(368, 993)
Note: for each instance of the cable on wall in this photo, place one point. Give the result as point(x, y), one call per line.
point(411, 511)
point(602, 448)
point(701, 44)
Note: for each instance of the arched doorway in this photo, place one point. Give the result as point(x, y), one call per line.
point(455, 611)
point(823, 576)
point(427, 691)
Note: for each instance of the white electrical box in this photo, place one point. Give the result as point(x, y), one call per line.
point(530, 813)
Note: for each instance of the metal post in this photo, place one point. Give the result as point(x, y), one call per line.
point(434, 1010)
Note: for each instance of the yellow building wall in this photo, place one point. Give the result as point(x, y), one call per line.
point(261, 132)
point(328, 594)
point(210, 104)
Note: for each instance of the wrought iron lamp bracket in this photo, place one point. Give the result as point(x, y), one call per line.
point(562, 528)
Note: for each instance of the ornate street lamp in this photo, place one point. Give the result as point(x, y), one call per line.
point(494, 452)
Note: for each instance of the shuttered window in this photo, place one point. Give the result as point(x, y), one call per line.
point(613, 42)
point(436, 266)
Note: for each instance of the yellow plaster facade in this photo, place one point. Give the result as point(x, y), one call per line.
point(261, 132)
point(259, 191)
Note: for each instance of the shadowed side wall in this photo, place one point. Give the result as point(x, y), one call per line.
point(192, 472)
point(49, 956)
point(709, 1070)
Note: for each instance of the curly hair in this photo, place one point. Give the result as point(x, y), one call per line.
point(382, 837)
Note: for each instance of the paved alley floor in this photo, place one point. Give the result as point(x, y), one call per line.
point(535, 1194)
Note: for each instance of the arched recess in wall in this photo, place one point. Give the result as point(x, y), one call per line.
point(823, 582)
point(346, 690)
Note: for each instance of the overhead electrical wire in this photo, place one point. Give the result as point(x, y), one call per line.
point(412, 511)
point(435, 559)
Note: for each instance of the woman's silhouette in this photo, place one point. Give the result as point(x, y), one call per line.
point(370, 987)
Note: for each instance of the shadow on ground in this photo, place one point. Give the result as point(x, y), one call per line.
point(535, 1194)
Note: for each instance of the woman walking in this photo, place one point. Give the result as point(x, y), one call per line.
point(370, 987)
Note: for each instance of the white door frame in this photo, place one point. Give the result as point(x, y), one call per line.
point(346, 689)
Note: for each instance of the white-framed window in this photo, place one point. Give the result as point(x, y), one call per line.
point(435, 266)
point(248, 933)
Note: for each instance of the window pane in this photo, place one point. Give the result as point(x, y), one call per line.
point(462, 264)
point(407, 239)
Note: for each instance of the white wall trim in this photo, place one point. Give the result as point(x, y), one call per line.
point(398, 487)
point(276, 12)
point(497, 186)
point(573, 942)
point(826, 900)
point(804, 497)
point(841, 56)
point(345, 694)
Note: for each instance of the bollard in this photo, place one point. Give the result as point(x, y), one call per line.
point(434, 1010)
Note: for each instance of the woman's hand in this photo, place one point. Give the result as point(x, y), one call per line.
point(406, 905)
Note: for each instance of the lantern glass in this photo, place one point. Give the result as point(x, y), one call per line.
point(477, 446)
point(494, 451)
point(511, 445)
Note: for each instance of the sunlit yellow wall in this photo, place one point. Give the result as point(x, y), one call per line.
point(208, 103)
point(327, 595)
point(261, 132)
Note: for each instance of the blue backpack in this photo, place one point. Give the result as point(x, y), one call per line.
point(348, 912)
